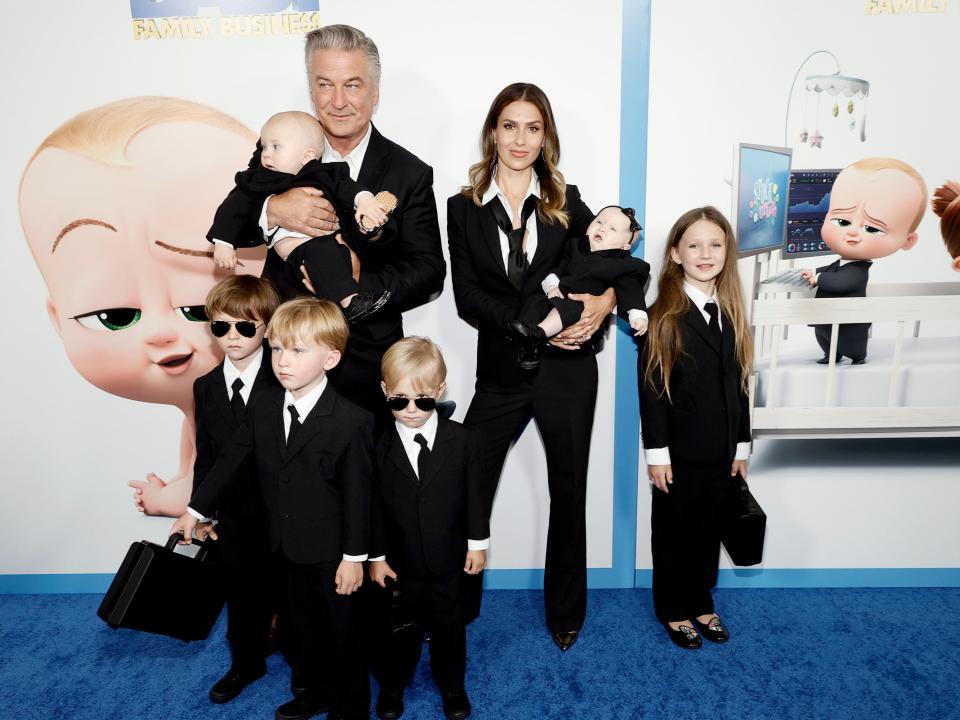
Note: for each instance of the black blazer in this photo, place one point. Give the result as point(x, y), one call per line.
point(216, 426)
point(316, 492)
point(709, 414)
point(422, 526)
point(850, 280)
point(485, 297)
point(410, 266)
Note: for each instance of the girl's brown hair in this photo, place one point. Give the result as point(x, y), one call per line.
point(664, 339)
point(946, 204)
point(553, 199)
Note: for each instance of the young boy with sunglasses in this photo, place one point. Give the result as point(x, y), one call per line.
point(431, 526)
point(239, 308)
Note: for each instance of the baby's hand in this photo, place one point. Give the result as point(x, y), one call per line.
point(146, 493)
point(810, 276)
point(476, 561)
point(370, 215)
point(224, 256)
point(639, 325)
point(554, 292)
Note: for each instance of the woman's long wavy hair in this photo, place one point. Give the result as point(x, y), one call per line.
point(665, 340)
point(553, 199)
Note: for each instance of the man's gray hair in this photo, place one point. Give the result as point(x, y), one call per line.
point(342, 37)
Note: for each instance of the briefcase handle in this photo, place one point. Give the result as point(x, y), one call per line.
point(204, 545)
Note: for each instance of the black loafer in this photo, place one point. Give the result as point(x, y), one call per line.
point(565, 640)
point(530, 338)
point(456, 705)
point(232, 684)
point(859, 361)
point(390, 704)
point(825, 360)
point(306, 705)
point(364, 305)
point(685, 636)
point(714, 631)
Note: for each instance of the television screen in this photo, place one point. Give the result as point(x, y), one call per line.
point(809, 202)
point(763, 183)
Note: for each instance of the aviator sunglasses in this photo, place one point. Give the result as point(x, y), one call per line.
point(398, 403)
point(247, 328)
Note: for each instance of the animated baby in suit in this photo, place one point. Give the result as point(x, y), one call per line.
point(876, 205)
point(116, 222)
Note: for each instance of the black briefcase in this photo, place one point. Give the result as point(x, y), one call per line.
point(743, 525)
point(148, 590)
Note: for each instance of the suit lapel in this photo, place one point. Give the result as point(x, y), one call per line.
point(374, 161)
point(313, 423)
point(265, 377)
point(729, 346)
point(437, 454)
point(273, 407)
point(220, 398)
point(398, 456)
point(694, 318)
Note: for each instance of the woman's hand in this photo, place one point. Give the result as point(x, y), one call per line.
point(595, 311)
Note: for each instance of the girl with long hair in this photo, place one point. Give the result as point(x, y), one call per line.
point(693, 368)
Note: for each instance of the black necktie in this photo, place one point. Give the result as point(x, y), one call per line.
point(713, 311)
point(236, 400)
point(517, 262)
point(294, 423)
point(423, 456)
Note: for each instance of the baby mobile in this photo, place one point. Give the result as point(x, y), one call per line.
point(845, 96)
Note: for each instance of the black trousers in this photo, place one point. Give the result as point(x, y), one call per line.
point(560, 398)
point(328, 265)
point(324, 632)
point(851, 339)
point(685, 538)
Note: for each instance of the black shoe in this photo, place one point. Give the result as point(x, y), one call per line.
point(530, 337)
point(825, 360)
point(859, 361)
point(365, 304)
point(456, 705)
point(390, 704)
point(686, 637)
point(304, 706)
point(565, 640)
point(714, 631)
point(232, 684)
point(298, 683)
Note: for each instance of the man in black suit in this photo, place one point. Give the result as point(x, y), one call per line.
point(343, 68)
point(312, 451)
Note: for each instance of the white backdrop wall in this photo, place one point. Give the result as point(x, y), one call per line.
point(69, 447)
point(720, 74)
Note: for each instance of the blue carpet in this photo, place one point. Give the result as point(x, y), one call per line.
point(837, 653)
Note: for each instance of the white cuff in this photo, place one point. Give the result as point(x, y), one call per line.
point(657, 456)
point(634, 314)
point(743, 451)
point(550, 282)
point(263, 219)
point(356, 199)
point(378, 558)
point(197, 515)
point(222, 242)
point(355, 558)
point(478, 544)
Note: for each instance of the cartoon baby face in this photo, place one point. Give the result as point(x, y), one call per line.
point(872, 214)
point(125, 258)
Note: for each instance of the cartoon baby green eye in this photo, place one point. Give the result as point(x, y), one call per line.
point(111, 319)
point(872, 230)
point(194, 313)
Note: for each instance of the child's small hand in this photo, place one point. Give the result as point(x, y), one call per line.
point(205, 530)
point(639, 325)
point(370, 215)
point(380, 571)
point(224, 256)
point(476, 561)
point(349, 577)
point(184, 525)
point(660, 476)
point(739, 466)
point(554, 292)
point(810, 276)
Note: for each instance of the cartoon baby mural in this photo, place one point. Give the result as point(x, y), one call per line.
point(116, 220)
point(946, 204)
point(876, 205)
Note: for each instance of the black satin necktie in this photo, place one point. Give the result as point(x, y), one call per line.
point(236, 401)
point(713, 310)
point(423, 456)
point(517, 263)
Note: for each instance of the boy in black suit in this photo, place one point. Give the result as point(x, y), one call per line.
point(312, 452)
point(431, 525)
point(239, 308)
point(607, 263)
point(292, 145)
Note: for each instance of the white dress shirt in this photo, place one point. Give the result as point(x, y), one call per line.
point(661, 456)
point(412, 448)
point(248, 375)
point(530, 247)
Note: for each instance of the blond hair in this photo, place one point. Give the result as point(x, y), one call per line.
point(417, 359)
point(307, 318)
point(243, 296)
point(875, 164)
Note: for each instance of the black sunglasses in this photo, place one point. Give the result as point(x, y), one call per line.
point(398, 402)
point(247, 328)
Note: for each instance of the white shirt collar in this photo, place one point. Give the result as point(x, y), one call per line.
point(354, 158)
point(494, 190)
point(428, 430)
point(305, 404)
point(698, 296)
point(248, 375)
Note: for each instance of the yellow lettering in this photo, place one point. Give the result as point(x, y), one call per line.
point(205, 26)
point(886, 6)
point(907, 6)
point(150, 30)
point(295, 26)
point(138, 29)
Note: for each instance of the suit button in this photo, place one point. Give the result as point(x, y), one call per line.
point(286, 516)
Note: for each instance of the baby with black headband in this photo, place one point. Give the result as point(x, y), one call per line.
point(603, 261)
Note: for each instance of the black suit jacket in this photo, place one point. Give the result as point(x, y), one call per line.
point(240, 513)
point(850, 280)
point(484, 295)
point(422, 526)
point(316, 492)
point(410, 266)
point(708, 414)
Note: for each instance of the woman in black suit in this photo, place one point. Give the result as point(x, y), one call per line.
point(510, 227)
